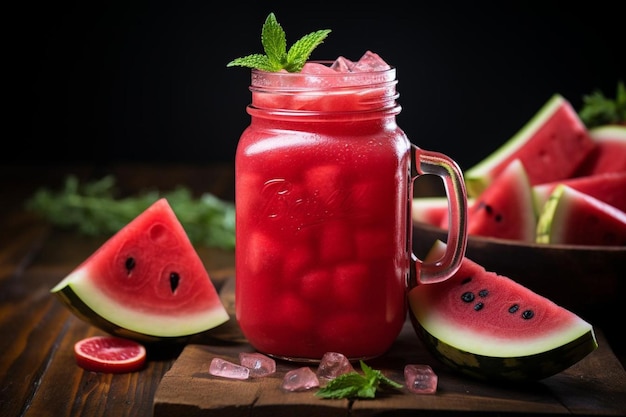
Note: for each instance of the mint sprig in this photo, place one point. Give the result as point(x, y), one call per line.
point(599, 110)
point(276, 56)
point(94, 209)
point(354, 385)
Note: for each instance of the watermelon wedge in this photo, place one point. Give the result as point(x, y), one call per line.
point(575, 218)
point(551, 146)
point(490, 327)
point(609, 154)
point(146, 282)
point(506, 209)
point(609, 187)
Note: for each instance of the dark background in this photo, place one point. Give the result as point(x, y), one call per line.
point(119, 81)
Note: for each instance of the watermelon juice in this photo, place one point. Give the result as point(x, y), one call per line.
point(323, 191)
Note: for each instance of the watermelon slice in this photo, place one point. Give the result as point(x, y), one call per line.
point(551, 146)
point(575, 218)
point(609, 187)
point(146, 282)
point(609, 154)
point(506, 209)
point(490, 327)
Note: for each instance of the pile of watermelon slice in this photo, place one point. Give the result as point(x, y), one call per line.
point(554, 182)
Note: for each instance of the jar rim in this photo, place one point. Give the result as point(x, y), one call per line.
point(283, 80)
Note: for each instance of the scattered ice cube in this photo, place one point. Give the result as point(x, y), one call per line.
point(259, 364)
point(332, 365)
point(300, 379)
point(420, 379)
point(226, 369)
point(370, 61)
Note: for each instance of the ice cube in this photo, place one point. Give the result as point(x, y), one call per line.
point(300, 379)
point(259, 364)
point(342, 64)
point(420, 379)
point(370, 61)
point(226, 369)
point(315, 68)
point(332, 365)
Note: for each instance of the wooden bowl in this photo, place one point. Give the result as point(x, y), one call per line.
point(587, 280)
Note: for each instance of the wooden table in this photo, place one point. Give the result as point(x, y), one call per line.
point(38, 375)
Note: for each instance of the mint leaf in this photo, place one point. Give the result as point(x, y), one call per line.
point(344, 386)
point(354, 385)
point(274, 43)
point(377, 377)
point(300, 52)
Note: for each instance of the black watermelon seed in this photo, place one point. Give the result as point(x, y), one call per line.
point(513, 308)
point(468, 297)
point(528, 314)
point(130, 264)
point(483, 293)
point(466, 280)
point(174, 279)
point(478, 306)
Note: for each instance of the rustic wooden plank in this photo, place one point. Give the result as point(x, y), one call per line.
point(89, 393)
point(586, 388)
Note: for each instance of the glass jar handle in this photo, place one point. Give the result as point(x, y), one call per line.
point(435, 163)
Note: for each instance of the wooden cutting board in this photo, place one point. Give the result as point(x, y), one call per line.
point(594, 386)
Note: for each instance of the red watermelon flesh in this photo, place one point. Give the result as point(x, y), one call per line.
point(575, 218)
point(506, 209)
point(609, 154)
point(488, 325)
point(609, 187)
point(146, 282)
point(551, 146)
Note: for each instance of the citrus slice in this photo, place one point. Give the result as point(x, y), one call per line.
point(109, 354)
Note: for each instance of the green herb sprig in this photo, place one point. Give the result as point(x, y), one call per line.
point(600, 110)
point(355, 385)
point(276, 56)
point(93, 209)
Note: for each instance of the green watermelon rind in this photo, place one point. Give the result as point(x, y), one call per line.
point(478, 177)
point(509, 369)
point(83, 312)
point(90, 304)
point(608, 132)
point(86, 301)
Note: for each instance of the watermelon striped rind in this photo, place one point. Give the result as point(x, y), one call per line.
point(509, 369)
